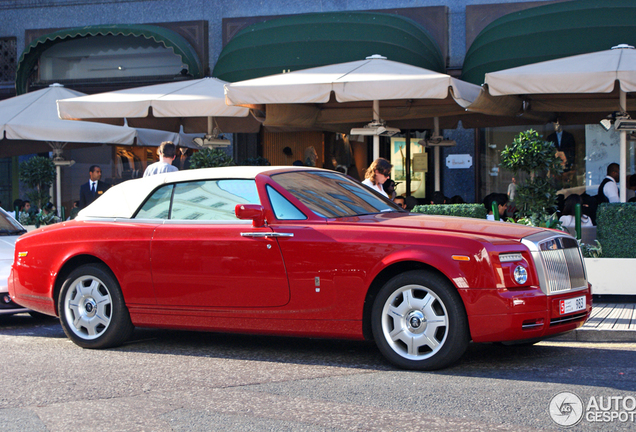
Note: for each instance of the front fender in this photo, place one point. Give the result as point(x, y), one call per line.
point(468, 266)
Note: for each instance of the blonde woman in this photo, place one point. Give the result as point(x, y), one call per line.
point(311, 156)
point(377, 174)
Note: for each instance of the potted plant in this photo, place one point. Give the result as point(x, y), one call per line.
point(38, 173)
point(536, 198)
point(210, 157)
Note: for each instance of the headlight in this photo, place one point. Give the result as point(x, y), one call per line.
point(510, 257)
point(520, 275)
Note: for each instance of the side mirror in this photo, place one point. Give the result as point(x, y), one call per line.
point(255, 212)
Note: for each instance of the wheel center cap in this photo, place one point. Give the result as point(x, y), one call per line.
point(416, 321)
point(90, 306)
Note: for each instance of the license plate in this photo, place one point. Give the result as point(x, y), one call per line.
point(571, 305)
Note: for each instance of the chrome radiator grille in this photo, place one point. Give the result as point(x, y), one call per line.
point(564, 269)
point(559, 262)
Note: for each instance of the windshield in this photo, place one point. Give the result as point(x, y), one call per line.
point(9, 226)
point(333, 195)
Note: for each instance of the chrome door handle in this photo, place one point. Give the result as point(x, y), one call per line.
point(266, 234)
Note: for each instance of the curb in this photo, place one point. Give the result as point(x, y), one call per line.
point(596, 335)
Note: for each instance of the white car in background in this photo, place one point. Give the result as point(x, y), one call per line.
point(10, 230)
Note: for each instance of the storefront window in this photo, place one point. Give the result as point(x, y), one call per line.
point(594, 149)
point(130, 162)
point(419, 166)
point(108, 56)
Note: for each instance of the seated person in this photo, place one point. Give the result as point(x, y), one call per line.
point(74, 210)
point(400, 201)
point(26, 214)
point(502, 205)
point(438, 198)
point(411, 202)
point(18, 207)
point(569, 219)
point(389, 188)
point(48, 215)
point(588, 206)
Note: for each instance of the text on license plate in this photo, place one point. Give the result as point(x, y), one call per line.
point(571, 305)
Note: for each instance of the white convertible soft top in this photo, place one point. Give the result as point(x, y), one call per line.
point(122, 200)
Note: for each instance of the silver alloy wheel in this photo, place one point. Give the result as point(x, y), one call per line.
point(88, 305)
point(415, 322)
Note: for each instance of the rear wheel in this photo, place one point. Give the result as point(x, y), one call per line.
point(419, 321)
point(92, 309)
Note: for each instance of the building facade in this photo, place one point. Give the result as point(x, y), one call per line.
point(101, 45)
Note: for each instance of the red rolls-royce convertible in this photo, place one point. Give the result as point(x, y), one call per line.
point(299, 252)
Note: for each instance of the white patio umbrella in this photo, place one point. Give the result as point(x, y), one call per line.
point(343, 96)
point(190, 106)
point(32, 119)
point(29, 124)
point(583, 88)
point(351, 94)
point(154, 137)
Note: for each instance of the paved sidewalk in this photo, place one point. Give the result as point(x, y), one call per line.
point(609, 322)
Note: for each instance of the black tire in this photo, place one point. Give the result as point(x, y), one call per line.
point(419, 321)
point(92, 308)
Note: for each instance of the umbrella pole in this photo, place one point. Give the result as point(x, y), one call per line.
point(58, 185)
point(623, 150)
point(376, 138)
point(436, 154)
point(59, 162)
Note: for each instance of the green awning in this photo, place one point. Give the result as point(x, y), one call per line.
point(549, 32)
point(161, 35)
point(309, 40)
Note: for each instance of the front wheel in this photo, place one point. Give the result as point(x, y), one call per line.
point(419, 321)
point(92, 309)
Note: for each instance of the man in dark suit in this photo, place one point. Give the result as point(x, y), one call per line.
point(93, 188)
point(565, 150)
point(564, 142)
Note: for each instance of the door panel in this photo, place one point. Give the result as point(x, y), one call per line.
point(327, 267)
point(213, 265)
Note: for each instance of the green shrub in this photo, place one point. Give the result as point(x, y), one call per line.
point(210, 158)
point(38, 173)
point(616, 229)
point(477, 211)
point(542, 220)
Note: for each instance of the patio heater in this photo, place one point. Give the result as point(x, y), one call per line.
point(59, 162)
